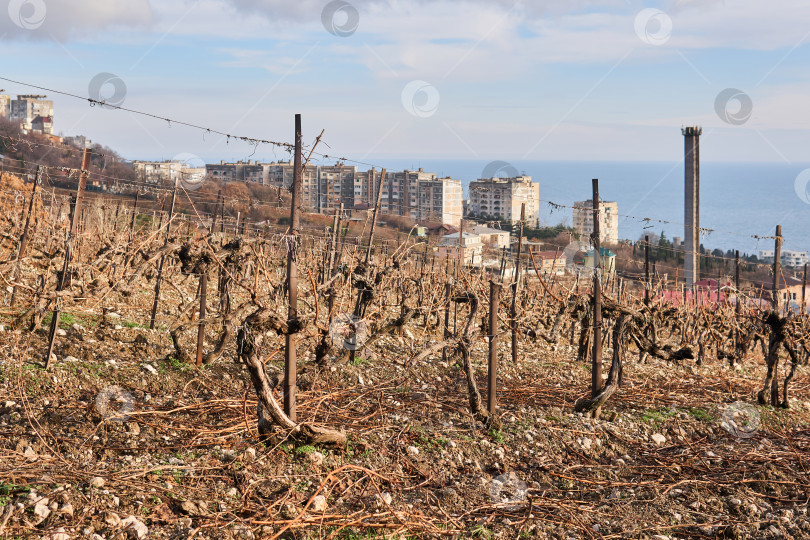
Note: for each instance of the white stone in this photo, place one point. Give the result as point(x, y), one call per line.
point(383, 499)
point(150, 368)
point(316, 458)
point(60, 534)
point(586, 443)
point(318, 503)
point(132, 524)
point(249, 455)
point(97, 482)
point(412, 451)
point(41, 509)
point(112, 519)
point(67, 509)
point(658, 439)
point(60, 332)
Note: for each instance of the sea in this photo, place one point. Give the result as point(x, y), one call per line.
point(739, 202)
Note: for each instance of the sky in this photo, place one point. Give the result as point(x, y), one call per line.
point(478, 79)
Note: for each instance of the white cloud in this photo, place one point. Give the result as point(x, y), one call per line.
point(65, 19)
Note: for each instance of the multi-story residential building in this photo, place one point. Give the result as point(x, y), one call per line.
point(472, 248)
point(400, 195)
point(608, 220)
point(416, 194)
point(227, 172)
point(168, 172)
point(5, 105)
point(501, 198)
point(33, 112)
point(78, 141)
point(788, 257)
point(336, 187)
point(157, 172)
point(439, 200)
point(255, 172)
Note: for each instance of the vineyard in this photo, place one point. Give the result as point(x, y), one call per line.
point(166, 376)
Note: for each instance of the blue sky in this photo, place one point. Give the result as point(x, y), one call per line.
point(478, 79)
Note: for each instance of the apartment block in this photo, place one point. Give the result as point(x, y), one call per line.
point(416, 194)
point(167, 172)
point(608, 220)
point(793, 259)
point(78, 141)
point(439, 200)
point(33, 112)
point(501, 198)
point(336, 187)
point(5, 106)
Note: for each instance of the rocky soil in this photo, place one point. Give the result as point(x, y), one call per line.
point(118, 440)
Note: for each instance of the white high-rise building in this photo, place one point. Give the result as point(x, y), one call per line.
point(501, 199)
point(5, 106)
point(788, 257)
point(440, 201)
point(33, 112)
point(608, 220)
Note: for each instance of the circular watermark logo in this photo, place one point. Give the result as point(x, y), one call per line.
point(740, 419)
point(348, 332)
point(802, 186)
point(579, 258)
point(733, 106)
point(27, 14)
point(499, 169)
point(508, 488)
point(114, 404)
point(653, 26)
point(190, 171)
point(340, 18)
point(109, 89)
point(420, 99)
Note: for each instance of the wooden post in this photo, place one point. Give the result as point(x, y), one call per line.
point(448, 291)
point(80, 190)
point(215, 213)
point(460, 257)
point(333, 244)
point(162, 260)
point(115, 219)
point(804, 288)
point(513, 310)
point(777, 268)
point(492, 372)
point(647, 270)
point(134, 215)
point(24, 235)
point(290, 360)
point(374, 213)
point(201, 321)
point(60, 285)
point(596, 361)
point(738, 307)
